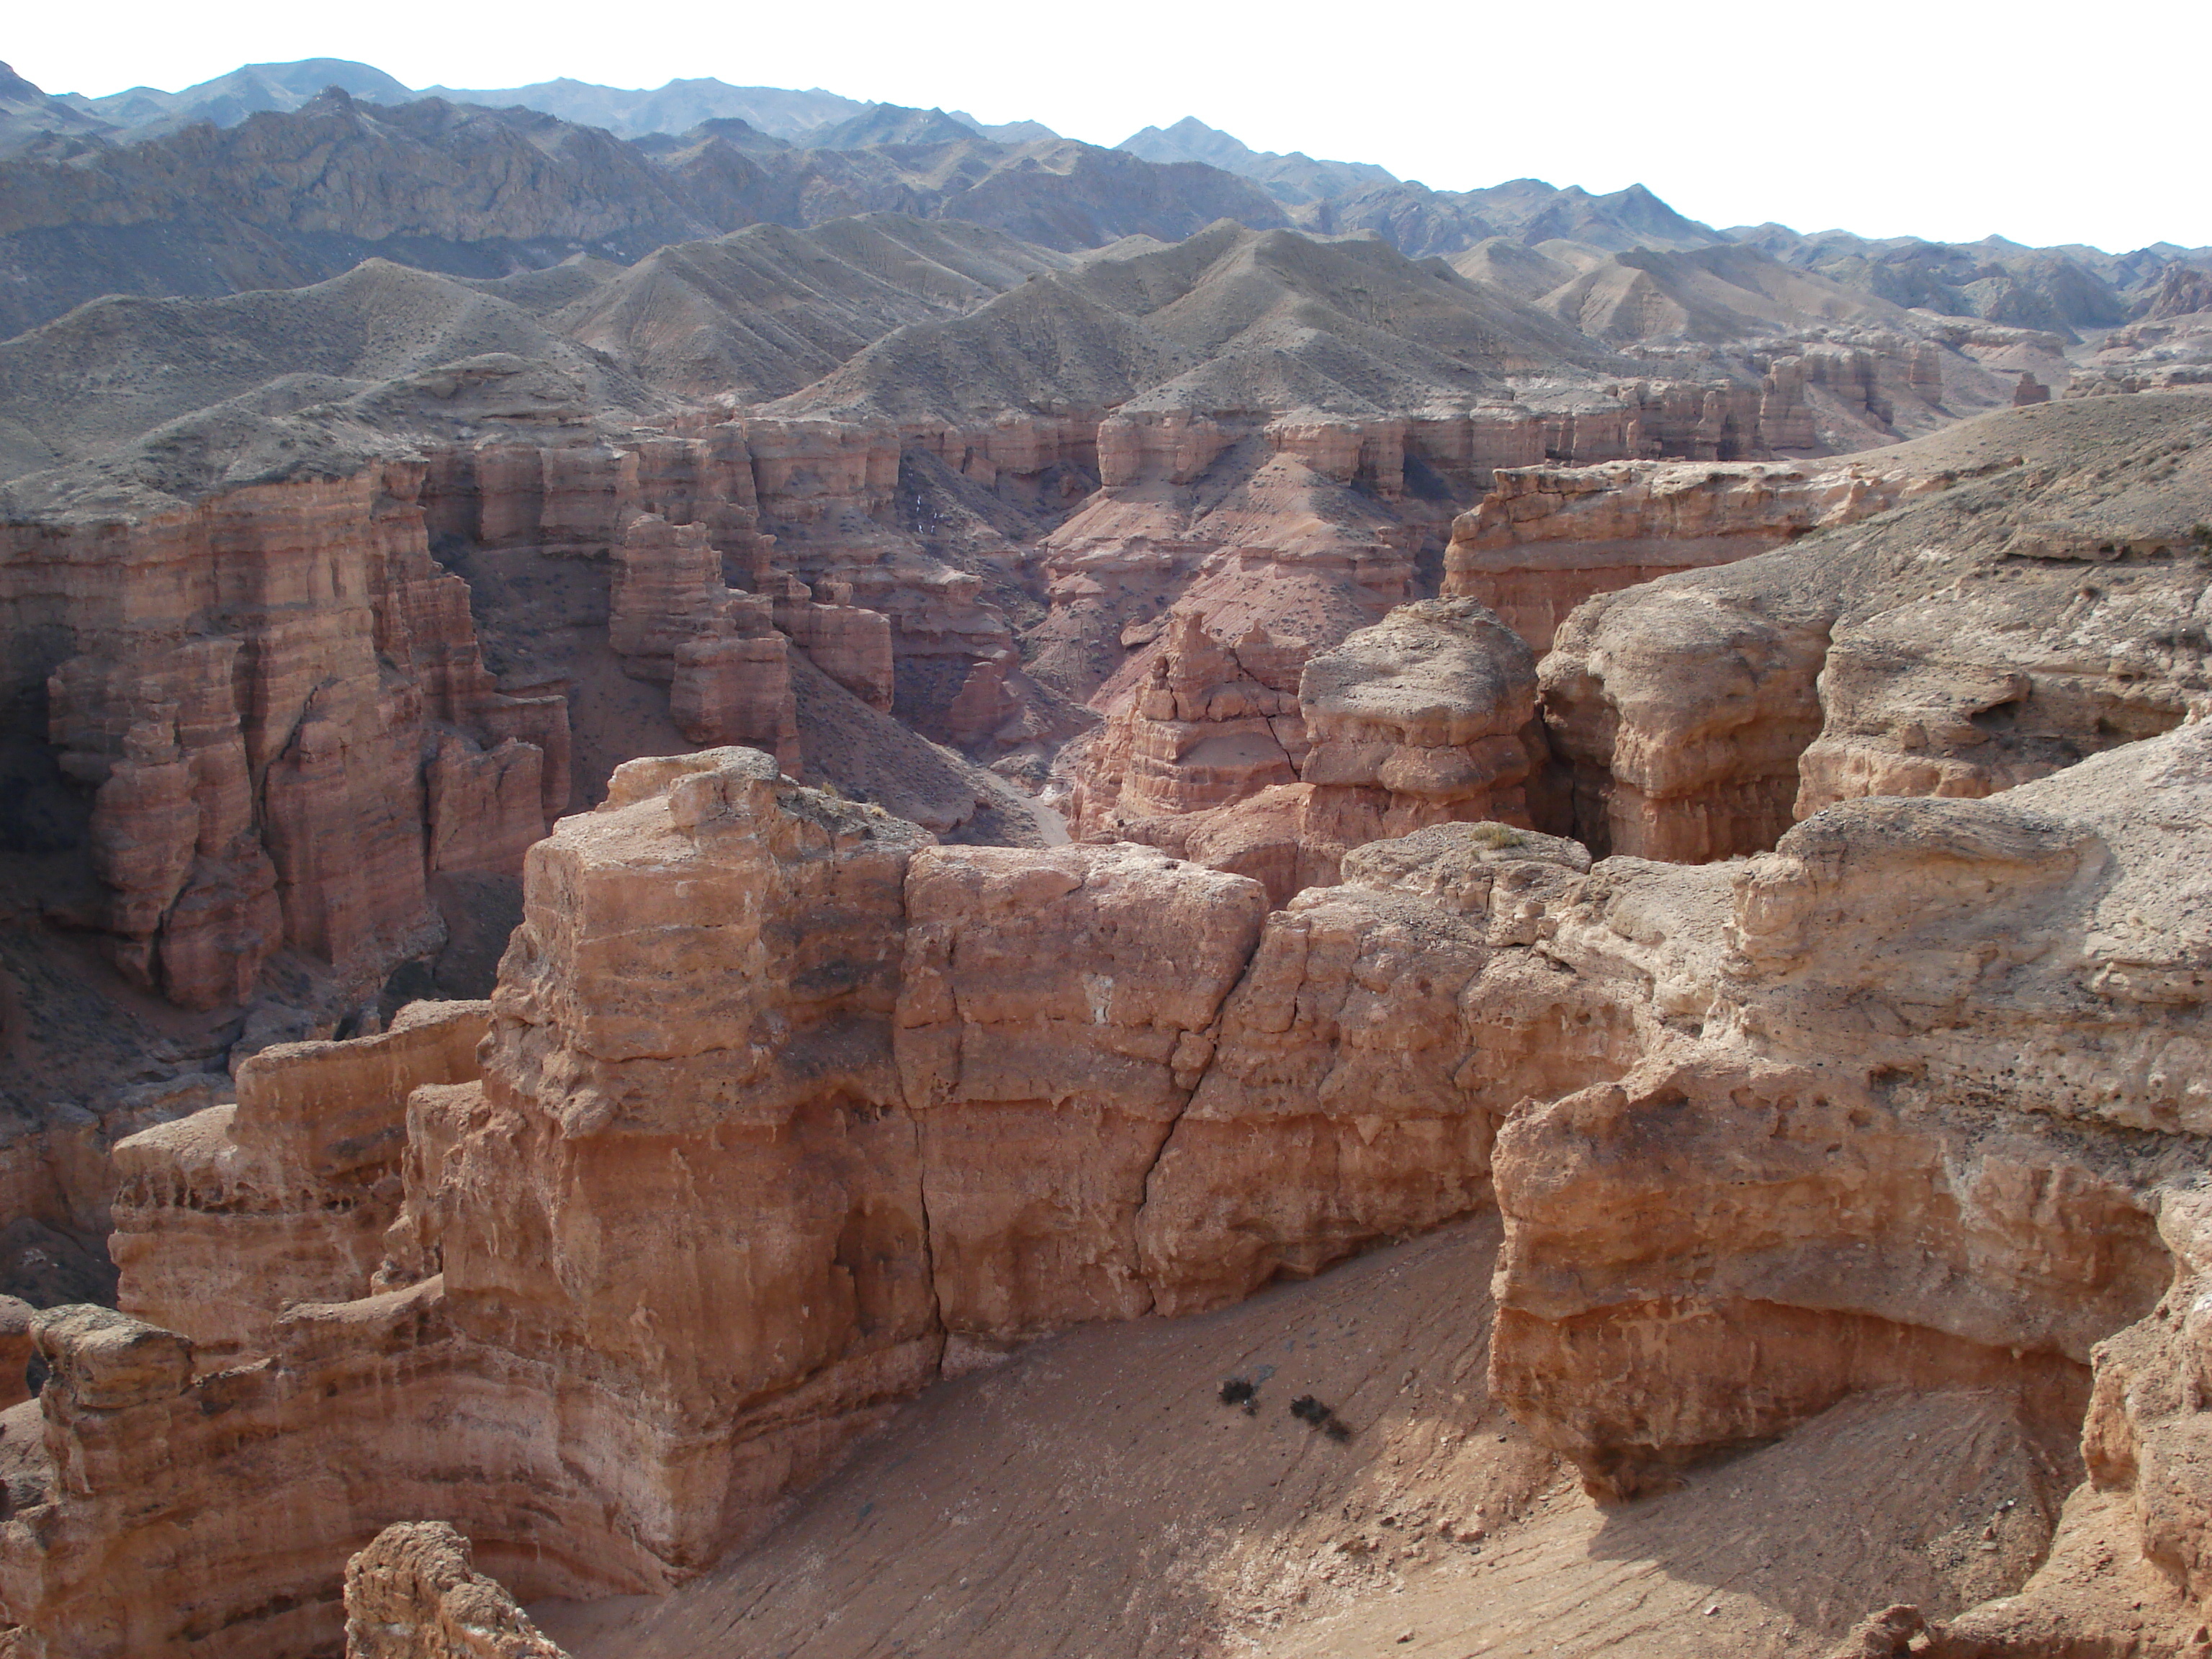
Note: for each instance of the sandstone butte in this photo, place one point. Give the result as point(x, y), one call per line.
point(1763, 894)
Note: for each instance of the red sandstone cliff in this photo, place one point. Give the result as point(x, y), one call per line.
point(734, 1181)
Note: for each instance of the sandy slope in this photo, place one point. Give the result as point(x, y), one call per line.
point(1093, 1498)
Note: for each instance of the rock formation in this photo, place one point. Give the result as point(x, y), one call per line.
point(1546, 538)
point(724, 1300)
point(225, 1217)
point(1427, 717)
point(782, 1109)
point(1902, 1198)
point(735, 1174)
point(413, 1593)
point(1035, 1027)
point(260, 780)
point(2002, 625)
point(1204, 731)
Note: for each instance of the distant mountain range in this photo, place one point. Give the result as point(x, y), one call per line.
point(148, 112)
point(283, 174)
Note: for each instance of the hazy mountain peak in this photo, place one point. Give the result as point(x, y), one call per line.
point(894, 123)
point(1295, 179)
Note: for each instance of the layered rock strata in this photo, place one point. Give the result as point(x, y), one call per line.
point(734, 1176)
point(2040, 604)
point(1426, 717)
point(1546, 538)
point(226, 1218)
point(277, 698)
point(1923, 1115)
point(415, 1593)
point(1201, 730)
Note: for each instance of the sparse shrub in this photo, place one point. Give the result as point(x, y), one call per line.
point(1238, 1391)
point(1320, 1417)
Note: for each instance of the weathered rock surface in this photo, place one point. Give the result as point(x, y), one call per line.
point(414, 1593)
point(1546, 539)
point(1357, 1076)
point(16, 1346)
point(1212, 723)
point(1895, 1100)
point(734, 1177)
point(225, 1219)
point(1422, 719)
point(1920, 1073)
point(284, 706)
point(2042, 607)
point(1426, 717)
point(785, 1112)
point(1038, 1029)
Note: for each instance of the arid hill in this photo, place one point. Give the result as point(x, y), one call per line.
point(294, 197)
point(191, 193)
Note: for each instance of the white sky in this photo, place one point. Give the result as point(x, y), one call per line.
point(1933, 119)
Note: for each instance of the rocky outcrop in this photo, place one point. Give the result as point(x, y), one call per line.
point(1276, 525)
point(2001, 625)
point(1680, 711)
point(1213, 722)
point(277, 699)
point(673, 619)
point(1424, 717)
point(2158, 353)
point(735, 1174)
point(16, 1346)
point(2126, 1569)
point(415, 1593)
point(1360, 1072)
point(287, 723)
point(1838, 1152)
point(733, 1178)
point(225, 1219)
point(1546, 538)
point(728, 1176)
point(1663, 755)
point(1038, 1029)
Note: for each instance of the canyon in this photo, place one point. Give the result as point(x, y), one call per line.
point(741, 1169)
point(883, 887)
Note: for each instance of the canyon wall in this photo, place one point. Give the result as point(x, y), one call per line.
point(1211, 722)
point(281, 699)
point(1272, 759)
point(729, 1185)
point(733, 1177)
point(2036, 597)
point(225, 1217)
point(1926, 1116)
point(1546, 538)
point(277, 698)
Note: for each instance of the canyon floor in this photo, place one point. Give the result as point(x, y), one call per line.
point(1093, 1496)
